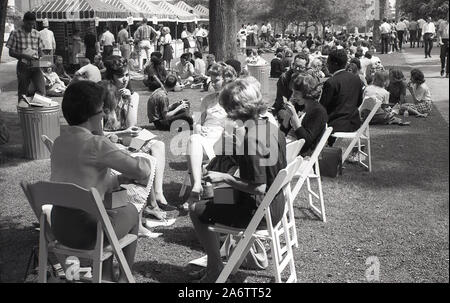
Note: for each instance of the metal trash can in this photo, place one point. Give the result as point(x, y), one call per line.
point(35, 122)
point(261, 73)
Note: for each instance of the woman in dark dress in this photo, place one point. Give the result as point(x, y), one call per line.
point(259, 164)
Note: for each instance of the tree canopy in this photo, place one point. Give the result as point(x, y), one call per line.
point(423, 8)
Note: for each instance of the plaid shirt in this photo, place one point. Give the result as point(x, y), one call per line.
point(19, 41)
point(144, 32)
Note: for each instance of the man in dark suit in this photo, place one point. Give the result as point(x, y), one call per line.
point(342, 95)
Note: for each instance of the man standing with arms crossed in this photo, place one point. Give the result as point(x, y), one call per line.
point(443, 42)
point(26, 46)
point(143, 35)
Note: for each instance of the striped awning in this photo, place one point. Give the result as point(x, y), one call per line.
point(126, 7)
point(154, 10)
point(79, 10)
point(186, 7)
point(181, 15)
point(204, 11)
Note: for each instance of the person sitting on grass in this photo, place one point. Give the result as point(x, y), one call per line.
point(276, 67)
point(98, 61)
point(378, 87)
point(185, 70)
point(397, 87)
point(85, 157)
point(242, 102)
point(155, 71)
point(420, 94)
point(59, 69)
point(160, 113)
point(54, 86)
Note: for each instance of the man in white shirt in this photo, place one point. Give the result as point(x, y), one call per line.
point(401, 31)
point(444, 43)
point(48, 39)
point(428, 32)
point(107, 41)
point(264, 31)
point(385, 30)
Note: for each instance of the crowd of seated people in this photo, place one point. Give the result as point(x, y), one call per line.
point(320, 83)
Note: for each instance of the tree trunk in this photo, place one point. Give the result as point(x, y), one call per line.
point(3, 9)
point(223, 29)
point(376, 26)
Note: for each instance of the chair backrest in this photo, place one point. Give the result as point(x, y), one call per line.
point(293, 149)
point(281, 181)
point(323, 141)
point(47, 142)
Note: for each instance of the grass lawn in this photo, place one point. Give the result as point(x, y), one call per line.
point(398, 213)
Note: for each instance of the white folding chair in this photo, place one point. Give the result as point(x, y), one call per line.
point(293, 149)
point(73, 196)
point(282, 256)
point(310, 170)
point(47, 142)
point(363, 133)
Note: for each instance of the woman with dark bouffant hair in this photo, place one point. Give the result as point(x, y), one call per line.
point(397, 87)
point(420, 94)
point(311, 123)
point(124, 117)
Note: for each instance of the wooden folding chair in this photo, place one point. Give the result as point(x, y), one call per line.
point(282, 256)
point(73, 196)
point(309, 170)
point(47, 142)
point(363, 133)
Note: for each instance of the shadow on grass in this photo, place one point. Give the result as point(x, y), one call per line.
point(162, 272)
point(16, 244)
point(184, 236)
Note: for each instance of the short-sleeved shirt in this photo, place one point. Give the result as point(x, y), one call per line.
point(377, 92)
point(144, 32)
point(443, 29)
point(252, 169)
point(157, 105)
point(422, 93)
point(185, 71)
point(122, 37)
point(260, 164)
point(90, 72)
point(19, 40)
point(107, 38)
point(200, 67)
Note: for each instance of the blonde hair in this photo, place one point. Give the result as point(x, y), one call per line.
point(242, 100)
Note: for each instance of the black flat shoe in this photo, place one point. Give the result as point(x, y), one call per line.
point(166, 207)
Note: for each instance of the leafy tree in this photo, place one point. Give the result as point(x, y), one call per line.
point(422, 8)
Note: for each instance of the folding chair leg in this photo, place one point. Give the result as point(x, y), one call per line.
point(235, 260)
point(290, 254)
point(369, 151)
point(43, 252)
point(322, 203)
